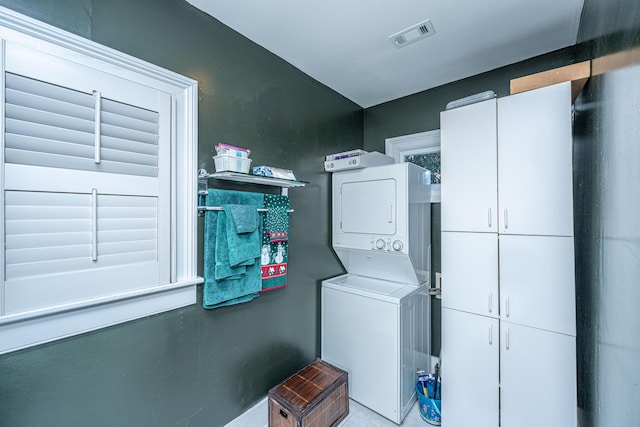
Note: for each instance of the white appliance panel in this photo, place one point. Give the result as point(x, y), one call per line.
point(369, 207)
point(378, 334)
point(382, 265)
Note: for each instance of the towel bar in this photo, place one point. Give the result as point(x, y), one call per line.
point(219, 208)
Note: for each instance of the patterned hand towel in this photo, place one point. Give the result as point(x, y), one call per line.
point(275, 245)
point(237, 288)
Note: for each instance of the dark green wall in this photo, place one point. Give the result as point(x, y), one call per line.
point(192, 366)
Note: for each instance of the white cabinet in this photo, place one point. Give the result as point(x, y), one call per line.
point(470, 262)
point(537, 282)
point(469, 157)
point(507, 233)
point(534, 162)
point(537, 377)
point(470, 393)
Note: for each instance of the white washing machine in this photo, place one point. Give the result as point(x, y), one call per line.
point(375, 319)
point(375, 330)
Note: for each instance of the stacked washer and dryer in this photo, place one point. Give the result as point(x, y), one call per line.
point(375, 318)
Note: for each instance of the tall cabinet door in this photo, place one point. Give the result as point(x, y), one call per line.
point(535, 162)
point(470, 272)
point(538, 378)
point(469, 183)
point(537, 277)
point(470, 348)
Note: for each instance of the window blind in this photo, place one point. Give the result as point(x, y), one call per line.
point(53, 126)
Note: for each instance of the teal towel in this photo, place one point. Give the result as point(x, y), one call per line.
point(243, 285)
point(246, 219)
point(243, 236)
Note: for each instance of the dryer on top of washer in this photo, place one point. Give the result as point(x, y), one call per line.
point(382, 221)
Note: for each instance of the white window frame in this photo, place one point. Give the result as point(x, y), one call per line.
point(418, 143)
point(21, 330)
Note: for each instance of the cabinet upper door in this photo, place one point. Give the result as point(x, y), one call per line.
point(470, 272)
point(535, 162)
point(537, 378)
point(470, 348)
point(468, 164)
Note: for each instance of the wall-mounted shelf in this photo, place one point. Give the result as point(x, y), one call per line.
point(284, 184)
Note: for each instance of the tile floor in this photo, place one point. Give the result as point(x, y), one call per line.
point(360, 416)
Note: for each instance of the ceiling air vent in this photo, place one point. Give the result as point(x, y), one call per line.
point(412, 34)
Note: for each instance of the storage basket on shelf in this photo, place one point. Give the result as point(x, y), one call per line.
point(229, 163)
point(315, 396)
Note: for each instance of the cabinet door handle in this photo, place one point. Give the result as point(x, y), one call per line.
point(507, 307)
point(489, 217)
point(94, 224)
point(490, 334)
point(506, 219)
point(390, 214)
point(507, 339)
point(490, 302)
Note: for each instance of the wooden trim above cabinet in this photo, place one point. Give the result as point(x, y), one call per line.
point(578, 74)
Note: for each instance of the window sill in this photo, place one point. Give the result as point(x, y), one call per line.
point(38, 327)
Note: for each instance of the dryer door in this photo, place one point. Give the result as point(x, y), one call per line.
point(369, 207)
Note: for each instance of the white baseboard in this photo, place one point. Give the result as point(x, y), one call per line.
point(257, 415)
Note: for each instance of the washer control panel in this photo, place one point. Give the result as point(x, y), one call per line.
point(386, 244)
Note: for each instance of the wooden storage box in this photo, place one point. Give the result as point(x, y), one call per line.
point(316, 396)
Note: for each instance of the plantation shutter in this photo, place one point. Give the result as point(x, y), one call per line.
point(86, 194)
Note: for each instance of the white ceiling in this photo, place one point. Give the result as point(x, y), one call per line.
point(345, 43)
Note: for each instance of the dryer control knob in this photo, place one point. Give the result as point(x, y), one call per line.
point(397, 245)
point(380, 244)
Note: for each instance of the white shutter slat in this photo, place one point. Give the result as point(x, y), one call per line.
point(55, 161)
point(128, 133)
point(129, 146)
point(36, 270)
point(125, 157)
point(35, 255)
point(127, 235)
point(42, 109)
point(22, 146)
point(21, 128)
point(146, 126)
point(123, 109)
point(47, 90)
point(43, 240)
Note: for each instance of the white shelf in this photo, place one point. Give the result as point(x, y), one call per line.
point(255, 179)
